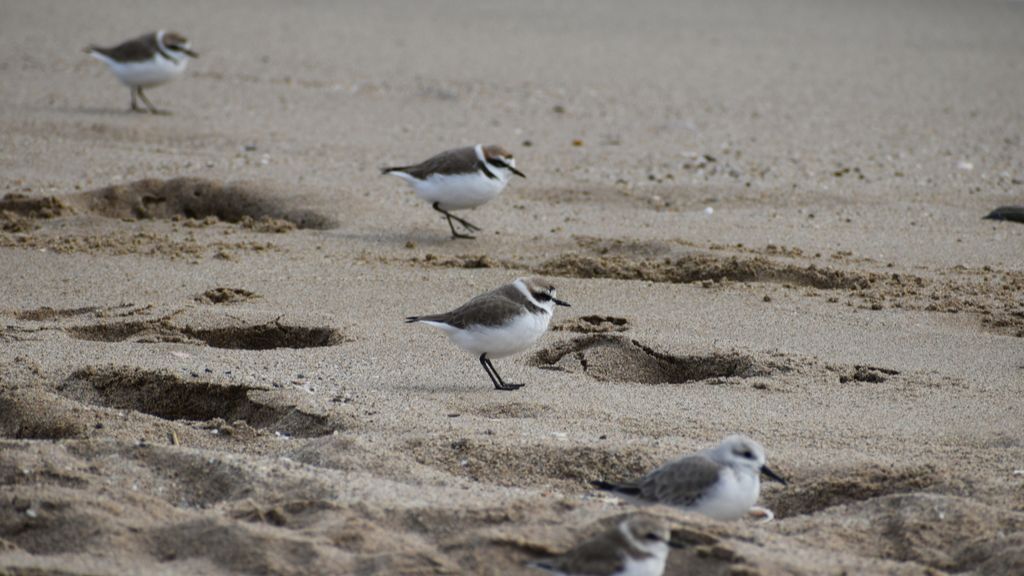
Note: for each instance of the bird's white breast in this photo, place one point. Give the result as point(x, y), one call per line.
point(731, 497)
point(457, 191)
point(145, 73)
point(505, 340)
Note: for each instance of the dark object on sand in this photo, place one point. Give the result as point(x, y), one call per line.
point(1014, 213)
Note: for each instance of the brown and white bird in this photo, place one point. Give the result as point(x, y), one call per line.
point(499, 323)
point(460, 179)
point(721, 482)
point(147, 61)
point(638, 546)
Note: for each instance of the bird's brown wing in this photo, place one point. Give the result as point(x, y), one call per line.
point(449, 162)
point(598, 557)
point(680, 483)
point(489, 309)
point(134, 50)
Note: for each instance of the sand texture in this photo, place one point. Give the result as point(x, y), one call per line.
point(768, 218)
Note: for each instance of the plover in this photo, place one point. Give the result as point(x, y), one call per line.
point(721, 482)
point(146, 61)
point(499, 323)
point(460, 179)
point(638, 546)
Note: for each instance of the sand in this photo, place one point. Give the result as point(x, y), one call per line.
point(768, 218)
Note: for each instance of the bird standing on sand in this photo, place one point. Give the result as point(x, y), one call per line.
point(499, 323)
point(147, 61)
point(460, 179)
point(638, 546)
point(721, 482)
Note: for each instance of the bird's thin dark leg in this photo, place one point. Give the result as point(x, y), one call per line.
point(469, 225)
point(454, 233)
point(483, 362)
point(499, 384)
point(149, 104)
point(135, 103)
point(504, 385)
point(450, 217)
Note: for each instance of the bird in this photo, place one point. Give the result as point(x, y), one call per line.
point(1011, 213)
point(499, 323)
point(721, 482)
point(460, 179)
point(147, 61)
point(637, 546)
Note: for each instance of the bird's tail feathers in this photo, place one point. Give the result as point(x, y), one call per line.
point(623, 488)
point(411, 319)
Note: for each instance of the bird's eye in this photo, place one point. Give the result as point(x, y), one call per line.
point(748, 454)
point(542, 296)
point(498, 162)
point(654, 536)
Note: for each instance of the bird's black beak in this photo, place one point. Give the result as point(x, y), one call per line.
point(516, 172)
point(772, 475)
point(561, 302)
point(192, 53)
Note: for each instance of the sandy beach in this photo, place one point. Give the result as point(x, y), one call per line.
point(768, 219)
